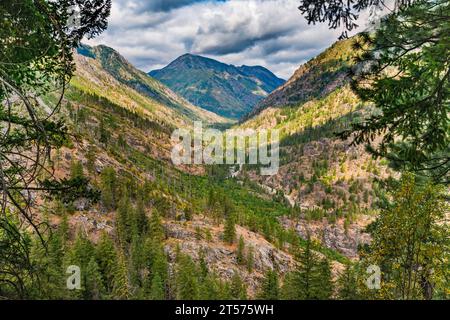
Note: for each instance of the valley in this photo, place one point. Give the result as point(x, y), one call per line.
point(123, 118)
point(174, 164)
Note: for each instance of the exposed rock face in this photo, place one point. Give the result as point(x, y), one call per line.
point(82, 204)
point(334, 236)
point(220, 257)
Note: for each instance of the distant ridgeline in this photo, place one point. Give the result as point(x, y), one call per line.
point(226, 90)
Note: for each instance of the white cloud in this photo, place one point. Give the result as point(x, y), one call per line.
point(271, 33)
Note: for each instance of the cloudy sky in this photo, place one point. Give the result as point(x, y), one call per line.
point(270, 33)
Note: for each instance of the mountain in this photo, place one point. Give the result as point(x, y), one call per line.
point(103, 71)
point(121, 144)
point(317, 78)
point(333, 184)
point(224, 89)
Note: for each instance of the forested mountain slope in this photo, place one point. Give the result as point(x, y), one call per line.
point(146, 229)
point(332, 184)
point(224, 89)
point(104, 72)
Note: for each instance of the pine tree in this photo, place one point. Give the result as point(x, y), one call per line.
point(141, 219)
point(76, 170)
point(250, 259)
point(103, 133)
point(93, 283)
point(156, 229)
point(323, 282)
point(311, 280)
point(240, 251)
point(204, 270)
point(106, 260)
point(230, 230)
point(124, 218)
point(91, 157)
point(270, 289)
point(157, 288)
point(306, 272)
point(108, 188)
point(347, 284)
point(121, 289)
point(137, 261)
point(186, 279)
point(211, 288)
point(81, 251)
point(81, 255)
point(159, 264)
point(238, 290)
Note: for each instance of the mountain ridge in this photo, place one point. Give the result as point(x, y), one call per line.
point(314, 79)
point(99, 62)
point(227, 90)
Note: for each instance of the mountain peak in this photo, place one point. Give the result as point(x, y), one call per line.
point(224, 89)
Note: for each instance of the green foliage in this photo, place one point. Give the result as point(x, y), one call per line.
point(201, 81)
point(311, 280)
point(410, 241)
point(156, 229)
point(408, 82)
point(121, 286)
point(124, 217)
point(108, 188)
point(187, 282)
point(250, 259)
point(76, 170)
point(106, 257)
point(229, 233)
point(347, 284)
point(157, 288)
point(270, 289)
point(240, 258)
point(238, 290)
point(36, 57)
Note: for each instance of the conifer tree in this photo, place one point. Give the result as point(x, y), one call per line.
point(230, 229)
point(204, 270)
point(93, 283)
point(157, 288)
point(186, 279)
point(156, 229)
point(240, 255)
point(238, 289)
point(137, 261)
point(124, 218)
point(121, 289)
point(81, 254)
point(106, 257)
point(311, 280)
point(211, 288)
point(108, 188)
point(347, 284)
point(76, 170)
point(141, 219)
point(160, 265)
point(306, 272)
point(250, 259)
point(323, 281)
point(270, 289)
